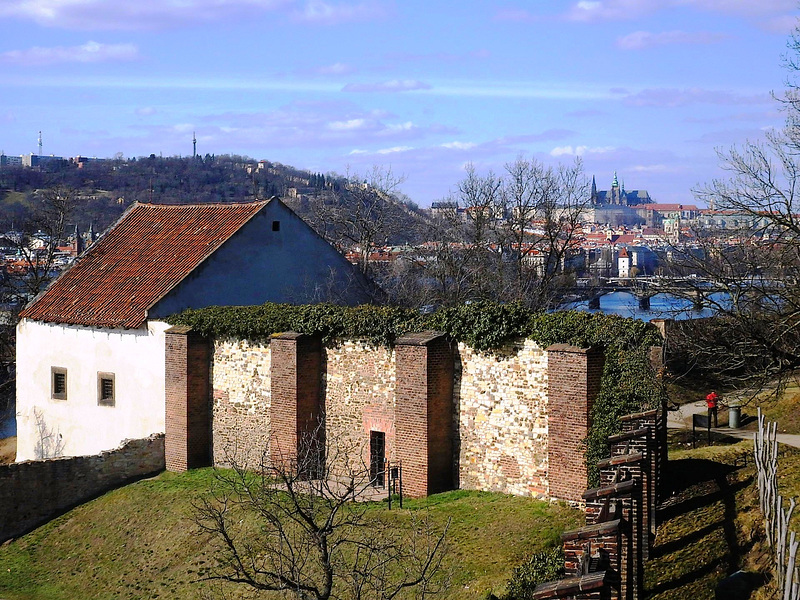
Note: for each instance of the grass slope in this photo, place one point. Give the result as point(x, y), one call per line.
point(140, 542)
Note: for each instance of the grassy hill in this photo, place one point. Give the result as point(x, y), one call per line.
point(140, 542)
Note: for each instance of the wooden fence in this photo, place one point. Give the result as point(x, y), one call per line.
point(782, 542)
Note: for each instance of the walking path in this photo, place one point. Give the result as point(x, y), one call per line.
point(682, 419)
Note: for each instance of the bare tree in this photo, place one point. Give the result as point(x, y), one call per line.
point(544, 209)
point(37, 244)
point(298, 525)
point(751, 272)
point(504, 238)
point(359, 218)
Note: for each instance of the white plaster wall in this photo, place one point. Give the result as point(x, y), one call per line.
point(135, 356)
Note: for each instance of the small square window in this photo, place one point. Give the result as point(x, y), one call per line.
point(276, 226)
point(105, 389)
point(58, 383)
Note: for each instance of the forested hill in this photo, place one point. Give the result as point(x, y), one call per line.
point(105, 188)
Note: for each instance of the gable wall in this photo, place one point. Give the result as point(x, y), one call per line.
point(499, 408)
point(135, 356)
point(258, 265)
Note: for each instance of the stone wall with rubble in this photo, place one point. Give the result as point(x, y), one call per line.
point(33, 492)
point(500, 412)
point(358, 391)
point(501, 407)
point(240, 376)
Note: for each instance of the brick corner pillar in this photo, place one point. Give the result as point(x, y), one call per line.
point(296, 410)
point(574, 376)
point(187, 386)
point(424, 412)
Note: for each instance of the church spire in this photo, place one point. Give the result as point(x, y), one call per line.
point(594, 191)
point(615, 183)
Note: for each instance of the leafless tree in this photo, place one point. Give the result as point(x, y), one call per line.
point(299, 526)
point(358, 219)
point(36, 246)
point(751, 272)
point(544, 208)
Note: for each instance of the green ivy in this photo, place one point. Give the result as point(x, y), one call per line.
point(629, 384)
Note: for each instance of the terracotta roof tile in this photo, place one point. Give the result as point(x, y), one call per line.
point(151, 249)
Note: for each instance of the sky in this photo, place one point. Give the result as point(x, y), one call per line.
point(650, 89)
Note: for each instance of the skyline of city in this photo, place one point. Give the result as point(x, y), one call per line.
point(647, 89)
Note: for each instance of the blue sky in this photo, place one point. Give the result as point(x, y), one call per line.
point(647, 88)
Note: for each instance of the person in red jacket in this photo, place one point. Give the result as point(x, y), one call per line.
point(711, 401)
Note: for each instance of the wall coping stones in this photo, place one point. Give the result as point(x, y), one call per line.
point(624, 487)
point(640, 415)
point(575, 585)
point(628, 435)
point(622, 459)
point(573, 349)
point(179, 329)
point(592, 531)
point(289, 335)
point(421, 338)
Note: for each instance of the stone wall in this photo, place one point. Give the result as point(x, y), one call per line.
point(33, 492)
point(240, 377)
point(358, 388)
point(501, 407)
point(500, 427)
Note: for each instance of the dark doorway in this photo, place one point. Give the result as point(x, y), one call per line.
point(377, 456)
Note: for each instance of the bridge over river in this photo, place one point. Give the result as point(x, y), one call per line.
point(693, 289)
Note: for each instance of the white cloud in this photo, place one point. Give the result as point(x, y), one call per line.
point(394, 85)
point(395, 149)
point(335, 69)
point(131, 15)
point(145, 111)
point(87, 53)
point(580, 150)
point(672, 97)
point(639, 40)
point(626, 10)
point(326, 13)
point(349, 125)
point(459, 145)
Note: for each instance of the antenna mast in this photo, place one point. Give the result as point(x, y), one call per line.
point(40, 143)
point(194, 145)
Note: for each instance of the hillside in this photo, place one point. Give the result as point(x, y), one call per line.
point(140, 542)
point(106, 188)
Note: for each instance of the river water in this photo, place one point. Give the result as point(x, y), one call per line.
point(662, 306)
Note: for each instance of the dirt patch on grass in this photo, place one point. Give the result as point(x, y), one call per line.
point(8, 450)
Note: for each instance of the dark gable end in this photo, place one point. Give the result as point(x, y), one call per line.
point(274, 257)
point(160, 259)
point(150, 250)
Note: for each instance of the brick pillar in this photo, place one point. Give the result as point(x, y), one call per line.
point(187, 443)
point(296, 410)
point(424, 412)
point(574, 376)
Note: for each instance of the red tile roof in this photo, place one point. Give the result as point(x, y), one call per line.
point(151, 249)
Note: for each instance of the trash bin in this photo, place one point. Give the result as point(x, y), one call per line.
point(734, 416)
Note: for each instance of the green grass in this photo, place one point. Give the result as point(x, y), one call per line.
point(139, 541)
point(708, 521)
point(783, 409)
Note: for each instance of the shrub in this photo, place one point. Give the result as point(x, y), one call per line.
point(541, 567)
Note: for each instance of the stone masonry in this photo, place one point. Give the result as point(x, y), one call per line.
point(501, 407)
point(499, 429)
point(33, 492)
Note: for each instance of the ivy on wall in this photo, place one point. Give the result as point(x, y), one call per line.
point(629, 383)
